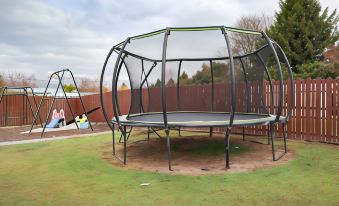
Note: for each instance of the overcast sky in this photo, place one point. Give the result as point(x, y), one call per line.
point(41, 36)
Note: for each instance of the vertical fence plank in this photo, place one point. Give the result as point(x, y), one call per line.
point(337, 113)
point(328, 109)
point(298, 108)
point(323, 111)
point(290, 123)
point(307, 109)
point(318, 108)
point(307, 121)
point(314, 109)
point(334, 110)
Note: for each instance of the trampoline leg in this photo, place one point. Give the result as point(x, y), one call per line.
point(272, 138)
point(124, 133)
point(113, 141)
point(211, 131)
point(120, 139)
point(227, 144)
point(129, 133)
point(243, 134)
point(168, 150)
point(268, 134)
point(284, 135)
point(179, 132)
point(147, 133)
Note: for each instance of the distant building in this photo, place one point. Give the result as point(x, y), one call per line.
point(51, 92)
point(331, 54)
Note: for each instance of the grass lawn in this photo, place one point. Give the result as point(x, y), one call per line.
point(71, 172)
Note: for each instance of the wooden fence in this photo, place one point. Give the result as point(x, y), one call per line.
point(314, 118)
point(15, 109)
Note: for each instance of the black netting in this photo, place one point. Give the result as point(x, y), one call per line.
point(272, 90)
point(194, 88)
point(198, 73)
point(196, 44)
point(150, 47)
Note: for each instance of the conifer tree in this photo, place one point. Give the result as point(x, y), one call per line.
point(303, 30)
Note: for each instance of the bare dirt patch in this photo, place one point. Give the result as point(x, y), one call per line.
point(196, 155)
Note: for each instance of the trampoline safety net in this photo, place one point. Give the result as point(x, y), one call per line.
point(203, 69)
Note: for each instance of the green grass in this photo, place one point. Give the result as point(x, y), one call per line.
point(71, 172)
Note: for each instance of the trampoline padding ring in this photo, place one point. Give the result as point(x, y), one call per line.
point(196, 119)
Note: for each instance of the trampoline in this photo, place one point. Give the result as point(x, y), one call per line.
point(195, 119)
point(195, 77)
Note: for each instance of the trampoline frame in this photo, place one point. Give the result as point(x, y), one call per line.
point(120, 50)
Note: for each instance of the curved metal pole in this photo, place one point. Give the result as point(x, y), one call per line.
point(281, 86)
point(149, 92)
point(114, 91)
point(233, 99)
point(132, 91)
point(163, 78)
point(140, 88)
point(212, 86)
point(247, 94)
point(178, 84)
point(268, 77)
point(122, 62)
point(115, 95)
point(163, 93)
point(109, 122)
point(246, 84)
point(291, 81)
point(212, 92)
point(141, 85)
point(178, 91)
point(233, 89)
point(277, 119)
point(129, 76)
point(116, 82)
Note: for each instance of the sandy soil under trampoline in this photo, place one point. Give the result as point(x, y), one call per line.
point(151, 156)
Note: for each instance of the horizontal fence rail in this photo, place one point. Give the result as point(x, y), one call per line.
point(315, 116)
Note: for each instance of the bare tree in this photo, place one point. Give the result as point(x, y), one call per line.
point(246, 43)
point(2, 80)
point(90, 85)
point(20, 79)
